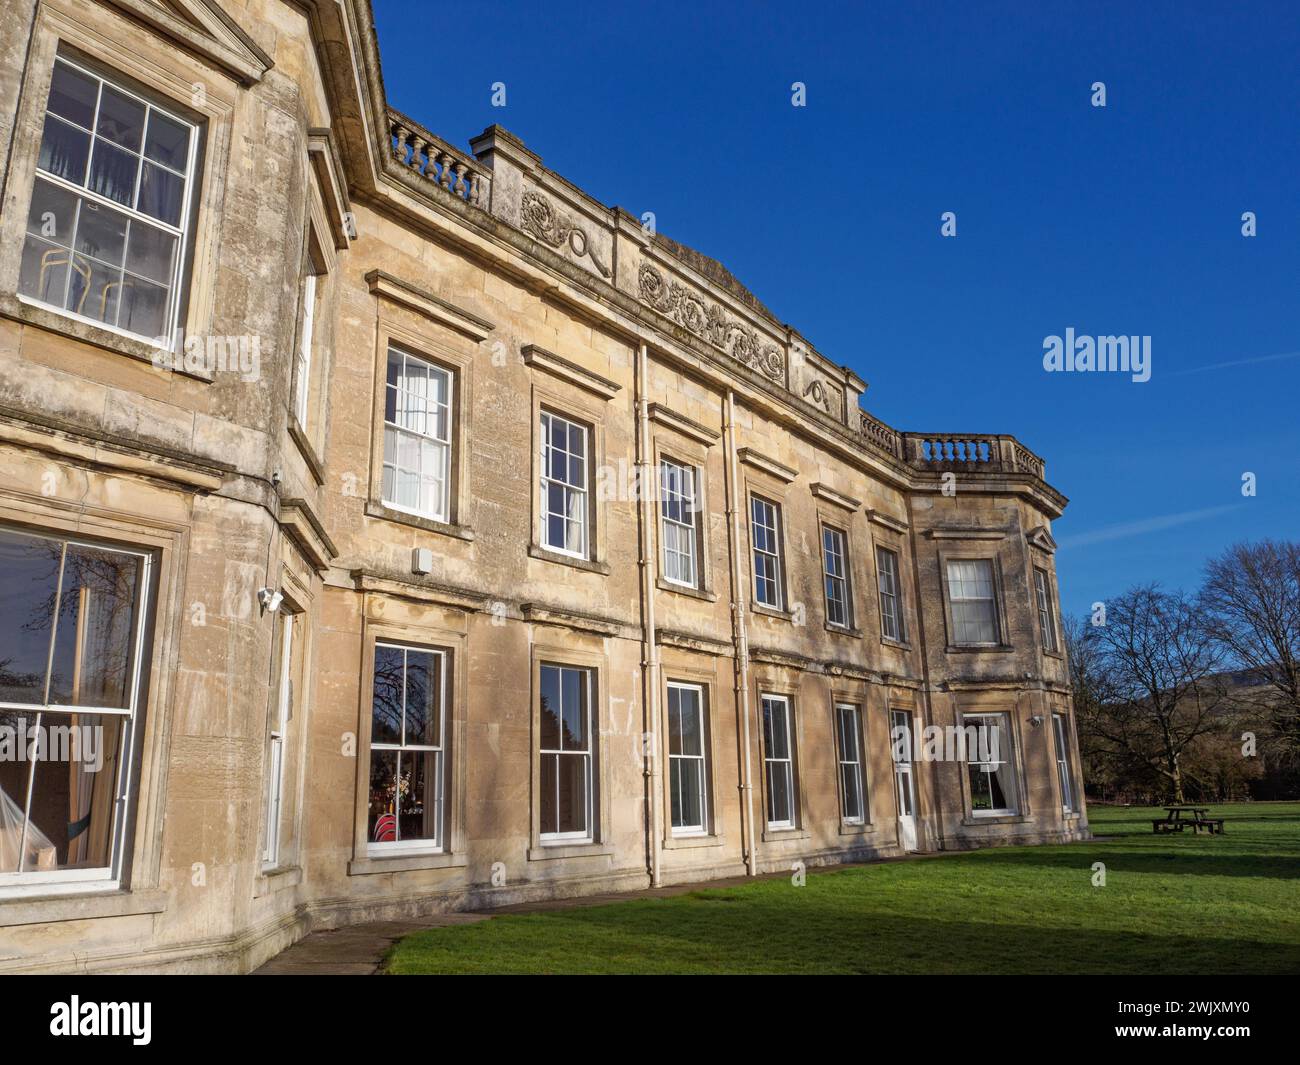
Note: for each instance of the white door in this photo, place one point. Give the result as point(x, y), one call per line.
point(900, 737)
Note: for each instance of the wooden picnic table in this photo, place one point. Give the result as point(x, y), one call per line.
point(1174, 821)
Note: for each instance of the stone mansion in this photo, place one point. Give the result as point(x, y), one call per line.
point(389, 528)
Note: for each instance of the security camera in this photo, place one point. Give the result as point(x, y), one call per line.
point(270, 599)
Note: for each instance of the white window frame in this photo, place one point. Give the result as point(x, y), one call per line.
point(1007, 757)
point(701, 760)
point(851, 765)
point(1063, 762)
point(1046, 619)
point(424, 845)
point(302, 356)
point(783, 765)
point(579, 490)
point(445, 448)
point(685, 496)
point(587, 755)
point(991, 599)
point(832, 580)
point(166, 339)
point(891, 599)
point(281, 712)
point(769, 523)
point(101, 878)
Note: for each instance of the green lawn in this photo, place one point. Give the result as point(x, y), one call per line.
point(1171, 904)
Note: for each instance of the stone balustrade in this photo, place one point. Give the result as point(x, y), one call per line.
point(971, 452)
point(880, 434)
point(437, 161)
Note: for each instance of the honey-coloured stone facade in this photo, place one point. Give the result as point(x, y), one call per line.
point(288, 556)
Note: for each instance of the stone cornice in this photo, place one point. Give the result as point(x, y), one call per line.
point(560, 367)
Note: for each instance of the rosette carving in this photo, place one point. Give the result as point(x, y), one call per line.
point(538, 217)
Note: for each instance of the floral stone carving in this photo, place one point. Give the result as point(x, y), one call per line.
point(538, 217)
point(709, 322)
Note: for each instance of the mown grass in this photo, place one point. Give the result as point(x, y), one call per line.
point(1179, 904)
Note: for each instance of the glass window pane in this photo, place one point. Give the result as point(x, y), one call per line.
point(53, 213)
point(572, 813)
point(29, 574)
point(161, 193)
point(548, 814)
point(383, 797)
point(778, 791)
point(44, 271)
point(72, 95)
point(143, 307)
point(150, 252)
point(550, 708)
point(113, 172)
point(121, 119)
point(101, 233)
point(64, 151)
point(418, 808)
point(168, 142)
point(95, 638)
point(574, 694)
point(423, 696)
point(74, 789)
point(37, 852)
point(386, 700)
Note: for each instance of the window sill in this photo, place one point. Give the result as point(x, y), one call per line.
point(299, 436)
point(856, 828)
point(844, 630)
point(785, 835)
point(681, 843)
point(1054, 654)
point(544, 555)
point(378, 510)
point(400, 863)
point(979, 648)
point(771, 611)
point(899, 645)
point(50, 909)
point(685, 589)
point(974, 820)
point(550, 851)
point(274, 880)
point(56, 321)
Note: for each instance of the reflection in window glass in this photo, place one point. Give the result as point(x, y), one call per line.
point(71, 622)
point(106, 217)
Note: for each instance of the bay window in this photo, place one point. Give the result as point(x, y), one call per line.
point(1060, 732)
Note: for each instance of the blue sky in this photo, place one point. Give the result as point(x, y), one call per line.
point(1117, 220)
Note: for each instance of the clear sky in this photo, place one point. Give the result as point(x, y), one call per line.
point(1117, 220)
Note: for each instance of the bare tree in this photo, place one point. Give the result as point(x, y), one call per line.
point(1251, 600)
point(1161, 690)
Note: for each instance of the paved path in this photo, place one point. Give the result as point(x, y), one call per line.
point(356, 950)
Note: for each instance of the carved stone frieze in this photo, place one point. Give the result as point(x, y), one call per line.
point(710, 322)
point(538, 217)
